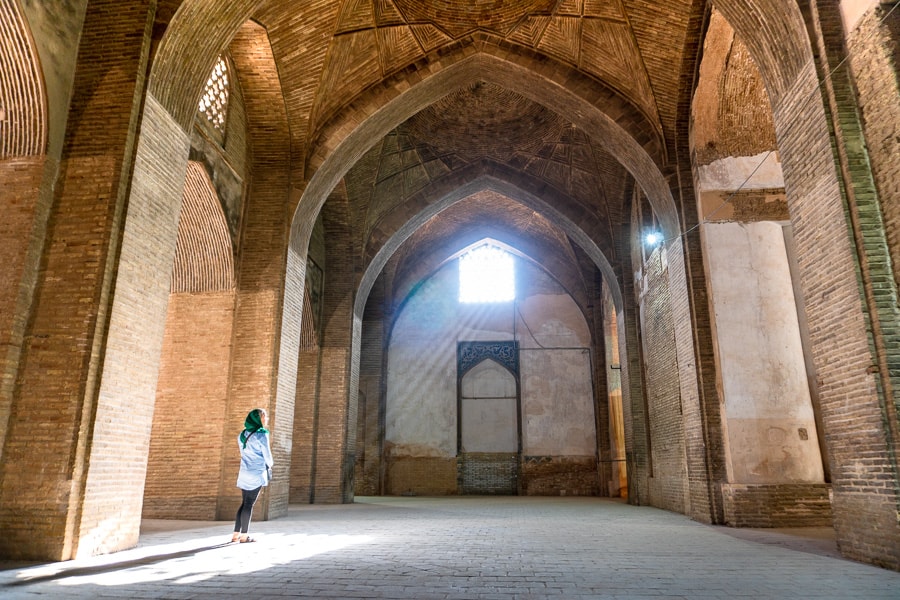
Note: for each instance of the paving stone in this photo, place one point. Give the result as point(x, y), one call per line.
point(494, 548)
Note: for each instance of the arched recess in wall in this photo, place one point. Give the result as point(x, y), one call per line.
point(829, 254)
point(438, 199)
point(543, 329)
point(194, 365)
point(348, 147)
point(489, 419)
point(765, 374)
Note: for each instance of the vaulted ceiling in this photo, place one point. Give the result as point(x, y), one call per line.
point(628, 58)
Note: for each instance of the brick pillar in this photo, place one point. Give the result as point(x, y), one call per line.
point(303, 449)
point(605, 453)
point(866, 500)
point(334, 444)
point(372, 367)
point(634, 404)
point(82, 405)
point(260, 278)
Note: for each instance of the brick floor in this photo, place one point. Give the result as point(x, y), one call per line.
point(464, 548)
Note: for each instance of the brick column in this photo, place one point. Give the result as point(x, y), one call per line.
point(866, 499)
point(80, 415)
point(304, 434)
point(373, 366)
point(334, 442)
point(260, 278)
point(597, 324)
point(634, 404)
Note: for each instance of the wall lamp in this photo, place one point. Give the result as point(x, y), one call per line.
point(652, 239)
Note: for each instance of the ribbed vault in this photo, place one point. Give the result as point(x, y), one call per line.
point(23, 102)
point(204, 260)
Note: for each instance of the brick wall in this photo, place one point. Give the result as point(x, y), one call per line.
point(189, 428)
point(782, 505)
point(484, 473)
point(866, 495)
point(874, 51)
point(560, 476)
point(21, 233)
point(421, 476)
point(67, 337)
point(668, 483)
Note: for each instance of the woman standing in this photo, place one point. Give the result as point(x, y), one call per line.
point(256, 462)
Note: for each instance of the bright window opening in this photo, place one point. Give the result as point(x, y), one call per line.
point(214, 103)
point(486, 274)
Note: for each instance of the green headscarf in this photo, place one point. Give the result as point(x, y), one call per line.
point(252, 424)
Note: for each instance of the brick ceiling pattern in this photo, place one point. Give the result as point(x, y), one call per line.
point(333, 59)
point(485, 122)
point(375, 38)
point(731, 111)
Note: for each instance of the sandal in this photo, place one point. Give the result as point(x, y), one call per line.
point(247, 539)
point(235, 537)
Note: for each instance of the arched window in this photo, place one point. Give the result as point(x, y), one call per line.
point(486, 274)
point(214, 102)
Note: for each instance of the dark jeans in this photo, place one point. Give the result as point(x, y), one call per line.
point(242, 519)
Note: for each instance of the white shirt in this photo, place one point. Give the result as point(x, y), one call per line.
point(255, 457)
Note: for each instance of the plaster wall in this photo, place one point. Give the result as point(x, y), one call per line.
point(761, 171)
point(488, 409)
point(56, 28)
point(771, 429)
point(853, 11)
point(557, 405)
point(556, 401)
